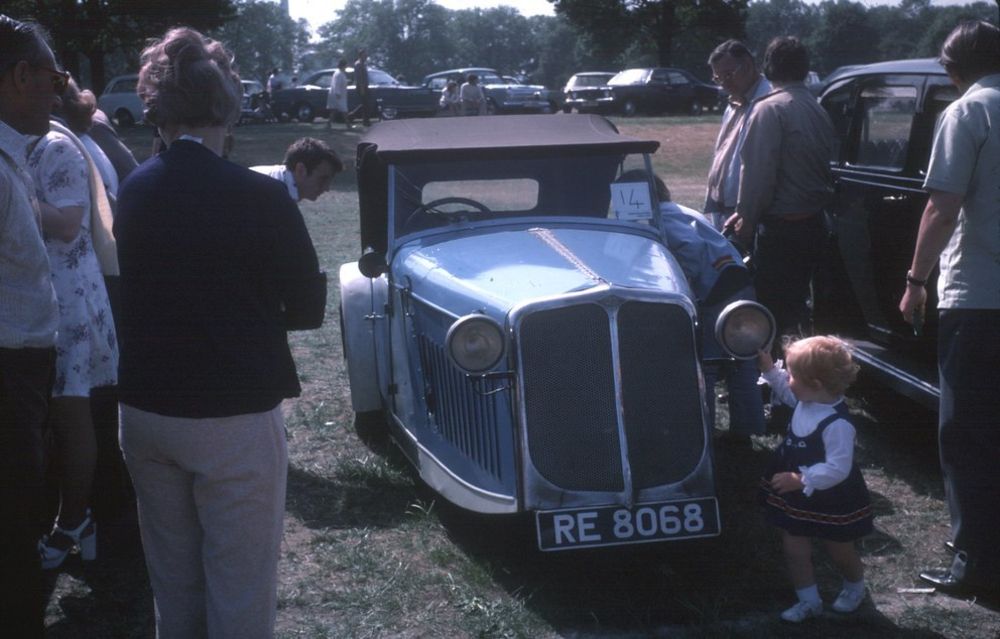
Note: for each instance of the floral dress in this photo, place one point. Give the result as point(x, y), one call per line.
point(86, 344)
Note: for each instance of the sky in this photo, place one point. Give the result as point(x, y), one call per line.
point(319, 12)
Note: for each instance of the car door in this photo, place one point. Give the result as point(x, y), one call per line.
point(658, 91)
point(681, 91)
point(884, 127)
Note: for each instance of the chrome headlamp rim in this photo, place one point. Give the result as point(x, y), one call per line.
point(460, 330)
point(741, 345)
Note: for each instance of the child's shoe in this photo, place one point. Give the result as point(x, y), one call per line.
point(848, 600)
point(802, 611)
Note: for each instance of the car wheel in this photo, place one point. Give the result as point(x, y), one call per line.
point(304, 112)
point(696, 107)
point(630, 108)
point(124, 118)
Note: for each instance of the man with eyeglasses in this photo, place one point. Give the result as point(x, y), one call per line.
point(30, 85)
point(733, 69)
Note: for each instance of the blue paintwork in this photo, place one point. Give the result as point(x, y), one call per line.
point(495, 271)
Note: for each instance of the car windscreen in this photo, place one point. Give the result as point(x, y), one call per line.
point(440, 194)
point(629, 76)
point(590, 80)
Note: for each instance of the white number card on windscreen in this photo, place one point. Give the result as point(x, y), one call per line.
point(631, 201)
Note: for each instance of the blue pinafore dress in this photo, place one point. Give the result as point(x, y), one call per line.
point(840, 513)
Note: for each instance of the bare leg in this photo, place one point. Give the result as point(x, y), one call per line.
point(76, 447)
point(845, 557)
point(798, 560)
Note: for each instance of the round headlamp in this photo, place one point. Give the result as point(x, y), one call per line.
point(744, 328)
point(475, 343)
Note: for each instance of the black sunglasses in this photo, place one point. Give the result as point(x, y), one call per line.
point(60, 79)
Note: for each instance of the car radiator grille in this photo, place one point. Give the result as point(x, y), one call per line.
point(465, 413)
point(570, 395)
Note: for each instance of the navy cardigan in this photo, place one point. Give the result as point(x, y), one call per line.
point(216, 265)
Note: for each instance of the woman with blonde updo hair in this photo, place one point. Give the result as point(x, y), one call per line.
point(216, 266)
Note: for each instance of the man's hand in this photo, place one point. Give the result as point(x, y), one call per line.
point(740, 229)
point(914, 299)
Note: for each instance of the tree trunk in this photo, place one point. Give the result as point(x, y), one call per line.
point(666, 26)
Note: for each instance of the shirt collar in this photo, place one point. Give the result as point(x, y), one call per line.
point(987, 81)
point(289, 180)
point(15, 144)
point(758, 89)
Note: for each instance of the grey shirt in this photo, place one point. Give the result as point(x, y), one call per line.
point(29, 312)
point(786, 156)
point(965, 160)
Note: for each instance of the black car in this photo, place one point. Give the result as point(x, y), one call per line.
point(503, 95)
point(884, 115)
point(392, 99)
point(583, 90)
point(658, 90)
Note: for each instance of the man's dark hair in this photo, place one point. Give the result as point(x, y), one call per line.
point(311, 152)
point(731, 48)
point(19, 41)
point(786, 60)
point(972, 50)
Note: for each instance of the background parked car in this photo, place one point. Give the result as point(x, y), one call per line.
point(502, 96)
point(120, 101)
point(658, 90)
point(884, 115)
point(583, 90)
point(252, 105)
point(307, 100)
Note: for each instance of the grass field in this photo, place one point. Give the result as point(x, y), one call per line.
point(370, 552)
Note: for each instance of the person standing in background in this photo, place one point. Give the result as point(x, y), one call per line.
point(734, 70)
point(30, 85)
point(361, 86)
point(960, 230)
point(785, 185)
point(336, 100)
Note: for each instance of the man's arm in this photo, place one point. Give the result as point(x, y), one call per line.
point(936, 227)
point(759, 157)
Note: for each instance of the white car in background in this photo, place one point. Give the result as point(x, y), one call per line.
point(120, 101)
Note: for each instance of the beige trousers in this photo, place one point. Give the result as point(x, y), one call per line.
point(211, 501)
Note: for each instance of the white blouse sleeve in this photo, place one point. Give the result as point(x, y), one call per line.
point(777, 379)
point(838, 438)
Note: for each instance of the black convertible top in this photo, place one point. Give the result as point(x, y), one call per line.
point(478, 141)
point(498, 136)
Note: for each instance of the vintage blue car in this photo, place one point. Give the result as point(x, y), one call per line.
point(518, 326)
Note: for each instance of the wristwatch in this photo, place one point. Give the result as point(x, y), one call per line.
point(914, 281)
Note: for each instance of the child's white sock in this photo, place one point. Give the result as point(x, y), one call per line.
point(809, 594)
point(855, 587)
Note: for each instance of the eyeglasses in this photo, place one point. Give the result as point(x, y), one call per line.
point(727, 76)
point(60, 79)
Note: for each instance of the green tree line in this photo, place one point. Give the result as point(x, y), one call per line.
point(411, 38)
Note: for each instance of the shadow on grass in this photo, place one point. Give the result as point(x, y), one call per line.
point(730, 586)
point(373, 491)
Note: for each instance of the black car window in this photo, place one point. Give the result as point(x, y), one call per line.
point(886, 120)
point(321, 80)
point(660, 76)
point(838, 105)
point(437, 83)
point(124, 86)
point(678, 78)
point(939, 94)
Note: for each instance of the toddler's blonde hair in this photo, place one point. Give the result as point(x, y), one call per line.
point(824, 359)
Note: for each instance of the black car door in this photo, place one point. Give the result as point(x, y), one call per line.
point(882, 144)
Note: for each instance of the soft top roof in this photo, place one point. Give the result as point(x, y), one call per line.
point(505, 136)
point(922, 66)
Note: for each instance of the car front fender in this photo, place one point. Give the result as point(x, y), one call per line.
point(362, 320)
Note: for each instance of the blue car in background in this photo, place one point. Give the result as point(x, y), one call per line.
point(518, 327)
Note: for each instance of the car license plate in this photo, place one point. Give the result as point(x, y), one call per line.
point(616, 525)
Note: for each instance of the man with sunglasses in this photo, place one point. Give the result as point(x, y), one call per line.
point(733, 69)
point(30, 85)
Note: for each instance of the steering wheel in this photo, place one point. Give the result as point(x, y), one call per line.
point(456, 216)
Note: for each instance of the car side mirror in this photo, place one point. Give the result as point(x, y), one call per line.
point(372, 264)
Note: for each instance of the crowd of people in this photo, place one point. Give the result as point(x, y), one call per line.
point(111, 275)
